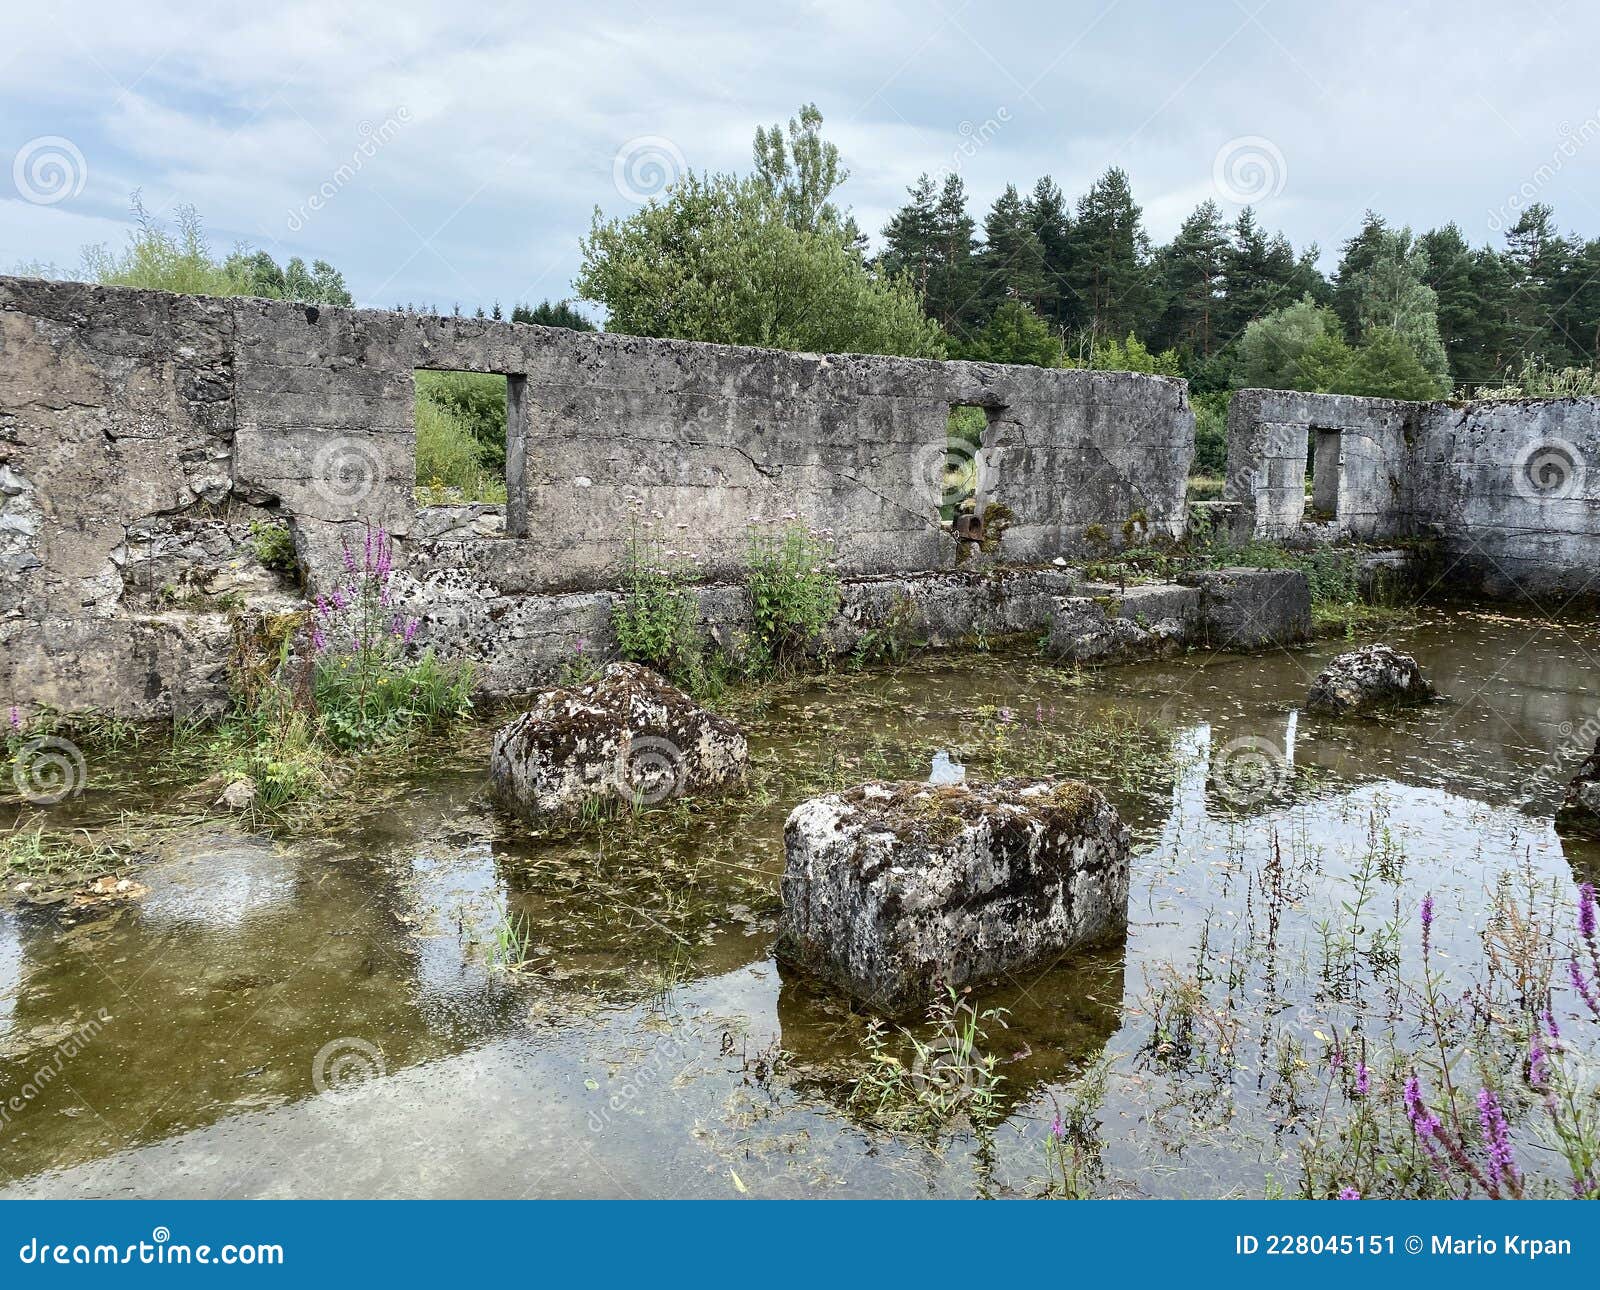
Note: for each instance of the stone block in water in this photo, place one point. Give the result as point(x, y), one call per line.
point(1376, 676)
point(891, 890)
point(628, 737)
point(1248, 609)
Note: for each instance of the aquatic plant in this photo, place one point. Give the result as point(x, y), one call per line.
point(950, 1073)
point(311, 690)
point(367, 683)
point(1073, 1147)
point(1420, 1130)
point(657, 615)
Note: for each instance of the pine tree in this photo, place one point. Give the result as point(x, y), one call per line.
point(1536, 259)
point(1189, 275)
point(1110, 269)
point(1011, 265)
point(552, 314)
point(1355, 256)
point(1470, 316)
point(1576, 289)
point(911, 238)
point(1259, 274)
point(951, 282)
point(1052, 225)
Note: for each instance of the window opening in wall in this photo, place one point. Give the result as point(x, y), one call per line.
point(964, 487)
point(1323, 457)
point(464, 439)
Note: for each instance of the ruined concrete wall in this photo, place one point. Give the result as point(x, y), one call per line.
point(142, 433)
point(1271, 433)
point(1509, 489)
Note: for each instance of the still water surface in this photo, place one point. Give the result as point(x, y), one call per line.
point(334, 1017)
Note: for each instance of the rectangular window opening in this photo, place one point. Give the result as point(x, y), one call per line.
point(964, 483)
point(1323, 461)
point(468, 450)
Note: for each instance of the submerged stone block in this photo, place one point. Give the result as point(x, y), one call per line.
point(890, 889)
point(628, 737)
point(1377, 676)
point(1083, 629)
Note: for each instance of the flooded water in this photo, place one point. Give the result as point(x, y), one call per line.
point(424, 1000)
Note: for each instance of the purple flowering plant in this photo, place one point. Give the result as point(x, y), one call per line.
point(1499, 1086)
point(368, 679)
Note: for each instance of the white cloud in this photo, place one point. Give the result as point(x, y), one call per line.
point(1429, 113)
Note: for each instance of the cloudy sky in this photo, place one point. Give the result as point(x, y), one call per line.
point(453, 153)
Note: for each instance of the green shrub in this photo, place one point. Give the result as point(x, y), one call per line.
point(451, 462)
point(273, 545)
point(1211, 434)
point(477, 402)
point(657, 617)
point(794, 592)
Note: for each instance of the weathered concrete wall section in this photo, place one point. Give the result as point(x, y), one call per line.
point(712, 437)
point(1512, 492)
point(141, 433)
point(116, 445)
point(1509, 489)
point(1362, 457)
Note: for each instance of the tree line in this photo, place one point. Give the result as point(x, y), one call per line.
point(772, 257)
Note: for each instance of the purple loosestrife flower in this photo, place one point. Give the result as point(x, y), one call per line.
point(1423, 1122)
point(16, 719)
point(1586, 911)
point(1349, 1193)
point(1496, 1137)
point(319, 642)
point(1550, 1025)
point(1538, 1065)
point(1427, 921)
point(1057, 1130)
point(1363, 1079)
point(411, 629)
point(1580, 983)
